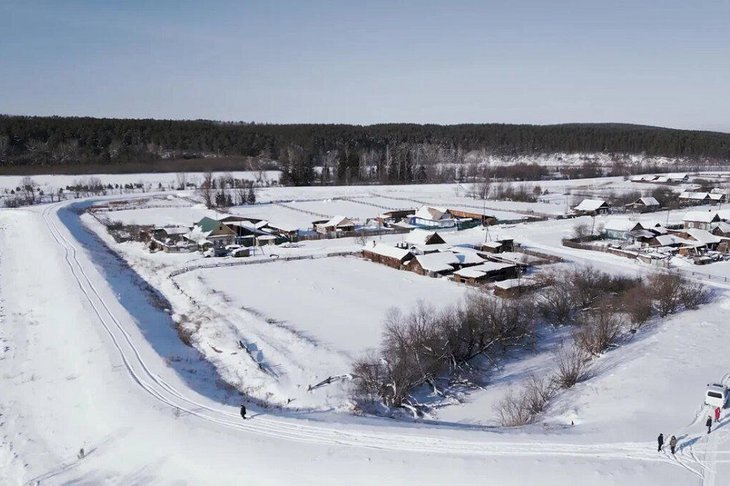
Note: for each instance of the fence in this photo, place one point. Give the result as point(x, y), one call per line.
point(348, 234)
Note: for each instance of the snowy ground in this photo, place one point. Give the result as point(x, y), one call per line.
point(89, 358)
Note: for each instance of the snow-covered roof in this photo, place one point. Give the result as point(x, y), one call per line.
point(469, 258)
point(648, 201)
point(700, 216)
point(492, 266)
point(722, 226)
point(621, 224)
point(470, 272)
point(387, 250)
point(671, 240)
point(174, 230)
point(337, 221)
point(703, 236)
point(430, 213)
point(695, 196)
point(419, 236)
point(514, 257)
point(511, 283)
point(438, 261)
point(590, 204)
point(717, 196)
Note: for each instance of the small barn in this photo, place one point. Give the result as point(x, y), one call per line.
point(423, 241)
point(645, 204)
point(386, 254)
point(435, 264)
point(498, 246)
point(592, 207)
point(486, 272)
point(514, 287)
point(333, 225)
point(483, 218)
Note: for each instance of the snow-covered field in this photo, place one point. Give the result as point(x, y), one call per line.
point(90, 357)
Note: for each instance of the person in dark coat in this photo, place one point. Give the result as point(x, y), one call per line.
point(708, 424)
point(673, 444)
point(660, 441)
point(243, 411)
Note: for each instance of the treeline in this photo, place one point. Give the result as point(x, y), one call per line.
point(312, 154)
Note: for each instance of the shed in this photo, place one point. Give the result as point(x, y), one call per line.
point(386, 254)
point(592, 207)
point(434, 264)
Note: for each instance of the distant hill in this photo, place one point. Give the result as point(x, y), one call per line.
point(395, 153)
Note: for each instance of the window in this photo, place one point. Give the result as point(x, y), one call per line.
point(713, 394)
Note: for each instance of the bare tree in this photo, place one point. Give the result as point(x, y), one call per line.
point(182, 181)
point(572, 363)
point(207, 190)
point(581, 230)
point(598, 329)
point(666, 289)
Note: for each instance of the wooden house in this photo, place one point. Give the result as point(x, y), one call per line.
point(386, 254)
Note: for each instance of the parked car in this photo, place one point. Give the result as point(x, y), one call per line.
point(716, 395)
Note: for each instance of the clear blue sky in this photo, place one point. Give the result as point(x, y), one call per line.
point(513, 61)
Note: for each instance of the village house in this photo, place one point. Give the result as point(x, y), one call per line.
point(485, 272)
point(644, 205)
point(592, 207)
point(435, 264)
point(688, 198)
point(336, 224)
point(621, 229)
point(514, 287)
point(208, 233)
point(703, 237)
point(386, 254)
point(170, 239)
point(432, 218)
point(498, 246)
point(483, 218)
point(721, 229)
point(422, 241)
point(700, 219)
point(394, 216)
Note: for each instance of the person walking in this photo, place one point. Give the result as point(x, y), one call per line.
point(673, 444)
point(717, 414)
point(660, 441)
point(243, 411)
point(708, 424)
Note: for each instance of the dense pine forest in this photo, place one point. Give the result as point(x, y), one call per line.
point(388, 153)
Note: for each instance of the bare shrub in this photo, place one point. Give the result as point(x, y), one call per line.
point(637, 304)
point(512, 412)
point(572, 363)
point(556, 302)
point(666, 289)
point(581, 231)
point(694, 294)
point(536, 394)
point(598, 329)
point(419, 347)
point(521, 408)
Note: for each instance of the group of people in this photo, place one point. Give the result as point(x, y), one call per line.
point(673, 439)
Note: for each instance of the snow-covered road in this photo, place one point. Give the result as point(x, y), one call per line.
point(82, 367)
